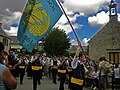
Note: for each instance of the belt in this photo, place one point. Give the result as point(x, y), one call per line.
point(55, 67)
point(69, 70)
point(61, 71)
point(22, 67)
point(76, 81)
point(36, 67)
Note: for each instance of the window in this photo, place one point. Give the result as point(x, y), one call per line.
point(5, 41)
point(114, 57)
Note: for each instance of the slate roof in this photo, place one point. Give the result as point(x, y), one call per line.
point(14, 40)
point(3, 34)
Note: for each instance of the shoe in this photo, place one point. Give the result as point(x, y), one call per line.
point(69, 87)
point(54, 82)
point(94, 88)
point(39, 83)
point(20, 83)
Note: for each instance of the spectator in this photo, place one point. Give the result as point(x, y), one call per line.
point(6, 78)
point(117, 75)
point(95, 79)
point(103, 76)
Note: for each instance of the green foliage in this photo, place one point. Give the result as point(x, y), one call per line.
point(72, 54)
point(56, 42)
point(42, 51)
point(67, 54)
point(34, 51)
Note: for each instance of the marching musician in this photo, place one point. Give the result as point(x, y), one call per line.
point(22, 67)
point(62, 67)
point(69, 70)
point(11, 62)
point(36, 70)
point(54, 64)
point(29, 68)
point(79, 71)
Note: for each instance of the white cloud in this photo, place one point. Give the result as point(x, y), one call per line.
point(73, 42)
point(12, 31)
point(13, 18)
point(10, 19)
point(63, 22)
point(85, 42)
point(99, 20)
point(85, 6)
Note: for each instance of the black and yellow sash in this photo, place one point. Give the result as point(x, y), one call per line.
point(76, 81)
point(36, 67)
point(61, 71)
point(22, 67)
point(55, 67)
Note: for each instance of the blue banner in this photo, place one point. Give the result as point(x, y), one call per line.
point(38, 18)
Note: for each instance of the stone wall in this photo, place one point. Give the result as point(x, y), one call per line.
point(108, 38)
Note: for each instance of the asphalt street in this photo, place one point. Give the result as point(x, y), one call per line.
point(46, 84)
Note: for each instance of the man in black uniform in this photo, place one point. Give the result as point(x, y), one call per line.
point(79, 71)
point(36, 67)
point(22, 67)
point(54, 64)
point(11, 62)
point(69, 71)
point(62, 72)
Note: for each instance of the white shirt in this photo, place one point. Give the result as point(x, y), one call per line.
point(26, 60)
point(58, 62)
point(75, 62)
point(95, 74)
point(116, 73)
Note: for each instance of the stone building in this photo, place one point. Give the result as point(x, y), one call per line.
point(4, 38)
point(107, 41)
point(14, 45)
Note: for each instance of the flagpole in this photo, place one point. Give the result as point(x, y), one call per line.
point(79, 43)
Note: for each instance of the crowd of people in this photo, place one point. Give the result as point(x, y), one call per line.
point(77, 71)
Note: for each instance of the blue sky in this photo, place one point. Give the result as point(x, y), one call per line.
point(87, 31)
point(86, 16)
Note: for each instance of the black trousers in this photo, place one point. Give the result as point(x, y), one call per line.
point(35, 81)
point(22, 74)
point(36, 78)
point(76, 87)
point(62, 81)
point(12, 71)
point(54, 73)
point(69, 80)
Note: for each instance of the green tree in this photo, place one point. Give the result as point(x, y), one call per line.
point(56, 42)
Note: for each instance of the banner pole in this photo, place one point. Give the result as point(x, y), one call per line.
point(79, 43)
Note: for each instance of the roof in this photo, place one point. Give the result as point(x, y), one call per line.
point(113, 26)
point(14, 43)
point(3, 34)
point(14, 40)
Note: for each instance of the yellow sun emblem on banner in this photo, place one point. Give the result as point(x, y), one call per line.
point(39, 20)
